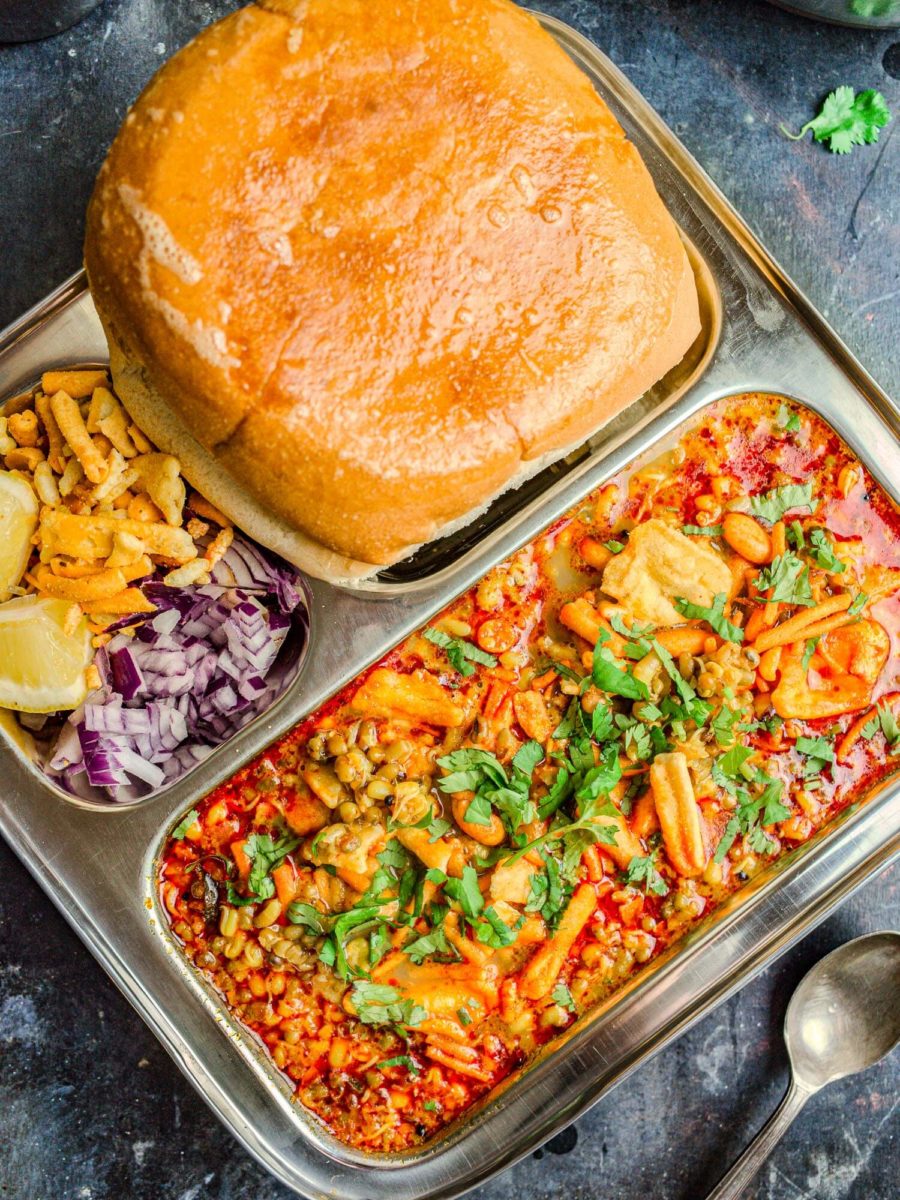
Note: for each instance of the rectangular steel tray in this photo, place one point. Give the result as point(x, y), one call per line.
point(97, 863)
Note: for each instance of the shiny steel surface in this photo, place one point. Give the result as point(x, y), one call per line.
point(844, 1017)
point(97, 864)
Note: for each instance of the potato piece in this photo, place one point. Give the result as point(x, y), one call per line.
point(385, 693)
point(660, 563)
point(534, 716)
point(305, 813)
point(512, 882)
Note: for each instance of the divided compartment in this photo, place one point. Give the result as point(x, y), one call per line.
point(34, 749)
point(256, 1057)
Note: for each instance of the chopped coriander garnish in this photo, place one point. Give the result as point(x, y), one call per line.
point(642, 873)
point(612, 679)
point(479, 771)
point(299, 913)
point(184, 824)
point(399, 1060)
point(858, 604)
point(702, 530)
point(822, 552)
point(381, 1004)
point(614, 547)
point(265, 854)
point(772, 505)
point(808, 651)
point(460, 654)
point(714, 616)
point(795, 537)
point(787, 419)
point(430, 1106)
point(788, 579)
point(563, 997)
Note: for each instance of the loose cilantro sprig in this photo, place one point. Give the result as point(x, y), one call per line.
point(821, 551)
point(846, 119)
point(460, 654)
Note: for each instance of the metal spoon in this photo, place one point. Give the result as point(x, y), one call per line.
point(844, 1017)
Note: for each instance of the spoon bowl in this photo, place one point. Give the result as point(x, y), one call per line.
point(845, 1015)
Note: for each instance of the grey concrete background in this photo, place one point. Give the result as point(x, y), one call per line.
point(90, 1106)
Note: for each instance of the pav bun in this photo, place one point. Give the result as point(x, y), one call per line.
point(362, 267)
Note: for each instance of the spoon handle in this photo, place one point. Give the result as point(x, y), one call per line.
point(746, 1167)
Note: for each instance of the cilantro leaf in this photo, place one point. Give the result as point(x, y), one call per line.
point(722, 725)
point(547, 893)
point(847, 120)
point(702, 530)
point(642, 873)
point(563, 997)
point(184, 824)
point(399, 1060)
point(788, 579)
point(381, 1004)
point(527, 757)
point(610, 678)
point(822, 552)
point(727, 769)
point(466, 893)
point(787, 419)
point(428, 945)
point(265, 854)
point(614, 547)
point(460, 654)
point(772, 505)
point(808, 651)
point(889, 726)
point(299, 913)
point(492, 930)
point(714, 617)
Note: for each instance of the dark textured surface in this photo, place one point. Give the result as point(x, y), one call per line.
point(90, 1106)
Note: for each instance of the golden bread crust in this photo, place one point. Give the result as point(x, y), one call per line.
point(379, 258)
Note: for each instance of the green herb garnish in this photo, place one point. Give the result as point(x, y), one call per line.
point(772, 505)
point(184, 824)
point(787, 419)
point(788, 579)
point(714, 616)
point(702, 530)
point(563, 997)
point(460, 654)
point(380, 1004)
point(847, 119)
point(642, 873)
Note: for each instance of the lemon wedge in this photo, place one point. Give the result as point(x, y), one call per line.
point(18, 521)
point(42, 665)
